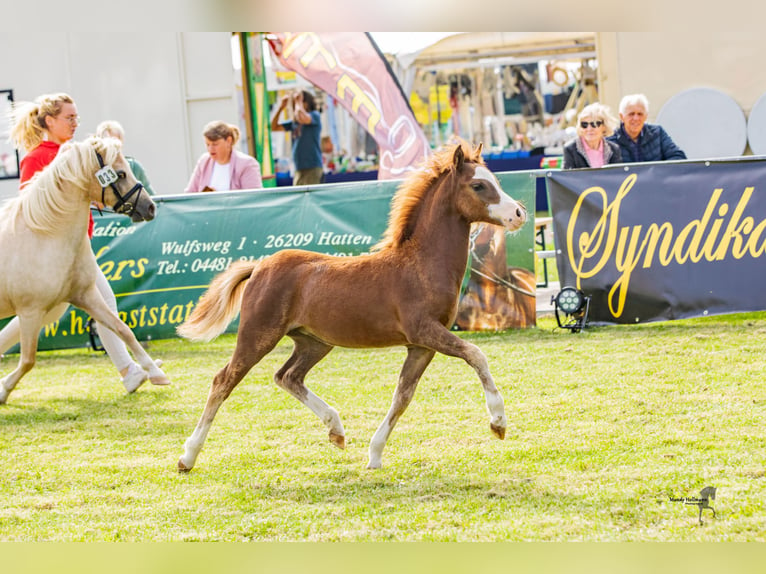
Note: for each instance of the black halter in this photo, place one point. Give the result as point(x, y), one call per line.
point(122, 205)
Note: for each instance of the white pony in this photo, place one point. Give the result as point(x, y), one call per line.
point(46, 260)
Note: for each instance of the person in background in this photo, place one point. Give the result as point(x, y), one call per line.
point(328, 155)
point(223, 168)
point(638, 140)
point(590, 148)
point(40, 128)
point(113, 129)
point(306, 129)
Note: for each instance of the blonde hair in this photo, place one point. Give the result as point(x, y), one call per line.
point(110, 129)
point(597, 111)
point(28, 127)
point(221, 130)
point(46, 200)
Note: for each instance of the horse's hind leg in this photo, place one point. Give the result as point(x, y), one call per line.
point(418, 358)
point(243, 359)
point(223, 383)
point(29, 326)
point(307, 353)
point(11, 333)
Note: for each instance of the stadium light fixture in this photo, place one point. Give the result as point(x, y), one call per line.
point(574, 305)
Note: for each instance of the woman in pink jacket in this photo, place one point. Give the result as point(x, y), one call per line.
point(223, 168)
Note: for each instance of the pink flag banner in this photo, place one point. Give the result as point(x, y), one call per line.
point(350, 68)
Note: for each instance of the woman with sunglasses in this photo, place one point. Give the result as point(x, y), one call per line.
point(590, 148)
point(40, 128)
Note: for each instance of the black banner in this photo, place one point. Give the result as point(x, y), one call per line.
point(662, 241)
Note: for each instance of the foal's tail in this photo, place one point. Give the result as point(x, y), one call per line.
point(219, 305)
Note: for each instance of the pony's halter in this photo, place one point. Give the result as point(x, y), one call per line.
point(122, 205)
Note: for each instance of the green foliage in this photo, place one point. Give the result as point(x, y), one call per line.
point(605, 427)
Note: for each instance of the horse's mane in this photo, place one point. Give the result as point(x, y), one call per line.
point(48, 196)
point(410, 194)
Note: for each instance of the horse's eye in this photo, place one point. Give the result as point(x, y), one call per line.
point(476, 186)
point(122, 174)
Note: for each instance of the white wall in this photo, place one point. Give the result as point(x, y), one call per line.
point(162, 87)
point(662, 64)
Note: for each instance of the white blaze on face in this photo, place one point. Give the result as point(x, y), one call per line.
point(508, 211)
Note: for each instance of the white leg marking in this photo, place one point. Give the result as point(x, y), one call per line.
point(495, 403)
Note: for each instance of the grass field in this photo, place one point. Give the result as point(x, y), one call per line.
point(605, 427)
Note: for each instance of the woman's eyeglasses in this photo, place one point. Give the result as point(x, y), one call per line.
point(596, 124)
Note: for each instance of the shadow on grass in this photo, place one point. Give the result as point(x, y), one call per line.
point(399, 503)
point(149, 405)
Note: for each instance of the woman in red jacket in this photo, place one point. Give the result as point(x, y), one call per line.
point(40, 128)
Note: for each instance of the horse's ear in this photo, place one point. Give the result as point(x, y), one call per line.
point(459, 158)
point(97, 143)
point(479, 148)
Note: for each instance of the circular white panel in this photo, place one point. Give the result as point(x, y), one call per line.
point(756, 127)
point(705, 123)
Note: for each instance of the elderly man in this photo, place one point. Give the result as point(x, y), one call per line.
point(638, 140)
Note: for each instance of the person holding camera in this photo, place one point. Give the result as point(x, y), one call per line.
point(305, 128)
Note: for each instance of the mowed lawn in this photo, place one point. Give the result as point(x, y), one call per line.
point(605, 427)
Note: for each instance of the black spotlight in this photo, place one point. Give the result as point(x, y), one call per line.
point(574, 305)
point(95, 340)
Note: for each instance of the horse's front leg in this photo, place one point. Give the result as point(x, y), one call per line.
point(93, 303)
point(418, 358)
point(437, 337)
point(29, 325)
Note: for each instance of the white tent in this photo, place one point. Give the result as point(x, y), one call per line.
point(485, 57)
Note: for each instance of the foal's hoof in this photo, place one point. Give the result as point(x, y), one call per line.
point(182, 467)
point(338, 440)
point(498, 431)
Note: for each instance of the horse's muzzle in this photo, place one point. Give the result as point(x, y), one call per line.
point(509, 214)
point(144, 211)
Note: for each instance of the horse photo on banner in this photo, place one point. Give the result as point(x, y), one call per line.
point(500, 287)
point(659, 241)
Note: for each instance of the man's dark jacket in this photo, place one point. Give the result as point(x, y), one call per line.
point(653, 144)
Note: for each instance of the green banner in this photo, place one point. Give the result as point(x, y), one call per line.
point(159, 269)
point(255, 97)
